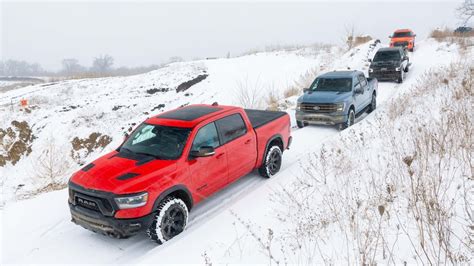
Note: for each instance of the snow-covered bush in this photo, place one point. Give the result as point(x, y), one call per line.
point(393, 189)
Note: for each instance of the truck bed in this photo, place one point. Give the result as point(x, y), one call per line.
point(259, 118)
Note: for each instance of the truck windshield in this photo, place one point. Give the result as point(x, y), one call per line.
point(387, 56)
point(161, 142)
point(402, 34)
point(332, 84)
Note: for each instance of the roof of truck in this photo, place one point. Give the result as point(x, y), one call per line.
point(189, 116)
point(403, 30)
point(389, 49)
point(340, 74)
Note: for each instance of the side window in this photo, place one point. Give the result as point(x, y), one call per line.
point(357, 84)
point(363, 80)
point(231, 127)
point(206, 136)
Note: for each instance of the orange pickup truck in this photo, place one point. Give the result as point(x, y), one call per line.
point(404, 38)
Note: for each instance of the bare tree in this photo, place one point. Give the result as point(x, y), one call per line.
point(51, 164)
point(349, 36)
point(466, 10)
point(102, 63)
point(20, 68)
point(71, 66)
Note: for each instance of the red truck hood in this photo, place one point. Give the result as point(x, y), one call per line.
point(105, 172)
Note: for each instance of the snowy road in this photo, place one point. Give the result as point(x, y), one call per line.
point(39, 230)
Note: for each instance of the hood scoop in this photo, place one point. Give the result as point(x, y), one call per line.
point(88, 167)
point(127, 176)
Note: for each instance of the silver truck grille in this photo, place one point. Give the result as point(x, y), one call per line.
point(318, 108)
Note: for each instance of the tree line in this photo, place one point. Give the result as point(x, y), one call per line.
point(102, 65)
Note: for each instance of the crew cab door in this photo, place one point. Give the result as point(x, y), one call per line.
point(367, 95)
point(358, 94)
point(208, 174)
point(405, 60)
point(240, 143)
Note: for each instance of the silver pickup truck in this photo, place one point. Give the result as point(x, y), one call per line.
point(335, 98)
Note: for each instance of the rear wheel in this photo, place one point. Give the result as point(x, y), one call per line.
point(169, 221)
point(373, 104)
point(272, 162)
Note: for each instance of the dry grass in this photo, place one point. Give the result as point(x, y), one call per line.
point(447, 35)
point(399, 191)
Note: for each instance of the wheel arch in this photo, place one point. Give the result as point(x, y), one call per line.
point(278, 139)
point(178, 191)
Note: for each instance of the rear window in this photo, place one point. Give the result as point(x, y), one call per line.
point(231, 127)
point(402, 34)
point(387, 56)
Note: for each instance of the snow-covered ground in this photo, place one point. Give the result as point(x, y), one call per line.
point(39, 230)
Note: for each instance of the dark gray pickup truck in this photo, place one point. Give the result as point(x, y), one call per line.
point(389, 64)
point(335, 98)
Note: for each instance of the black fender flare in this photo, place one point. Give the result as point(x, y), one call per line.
point(181, 188)
point(274, 137)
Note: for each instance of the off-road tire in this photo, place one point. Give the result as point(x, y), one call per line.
point(350, 120)
point(301, 124)
point(373, 104)
point(272, 162)
point(169, 215)
point(400, 77)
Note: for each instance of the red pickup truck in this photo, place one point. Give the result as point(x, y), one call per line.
point(171, 162)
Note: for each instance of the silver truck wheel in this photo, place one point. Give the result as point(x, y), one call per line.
point(169, 221)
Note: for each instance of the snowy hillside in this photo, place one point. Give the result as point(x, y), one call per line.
point(78, 120)
point(295, 217)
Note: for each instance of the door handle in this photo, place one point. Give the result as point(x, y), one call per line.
point(219, 155)
point(248, 141)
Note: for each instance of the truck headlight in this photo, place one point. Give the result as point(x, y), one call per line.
point(132, 201)
point(397, 69)
point(298, 106)
point(340, 107)
point(371, 70)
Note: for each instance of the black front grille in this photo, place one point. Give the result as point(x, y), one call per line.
point(403, 44)
point(97, 204)
point(87, 203)
point(318, 107)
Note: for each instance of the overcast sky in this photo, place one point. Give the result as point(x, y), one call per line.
point(143, 33)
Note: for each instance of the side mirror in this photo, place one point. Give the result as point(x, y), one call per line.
point(305, 89)
point(414, 35)
point(390, 36)
point(370, 60)
point(204, 151)
point(125, 136)
point(358, 90)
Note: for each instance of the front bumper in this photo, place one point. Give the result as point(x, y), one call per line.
point(96, 210)
point(385, 74)
point(321, 118)
point(111, 226)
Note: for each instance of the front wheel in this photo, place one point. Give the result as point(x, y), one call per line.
point(301, 124)
point(169, 221)
point(272, 163)
point(350, 120)
point(400, 76)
